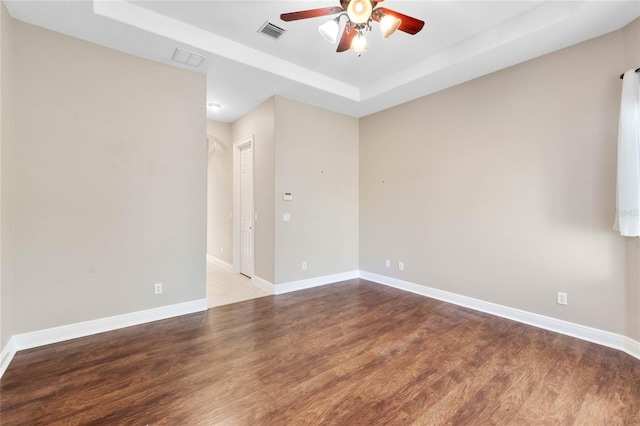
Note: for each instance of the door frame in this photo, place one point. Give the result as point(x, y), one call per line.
point(238, 146)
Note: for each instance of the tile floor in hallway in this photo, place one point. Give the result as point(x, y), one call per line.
point(224, 288)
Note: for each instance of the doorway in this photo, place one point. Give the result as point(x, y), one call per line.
point(243, 191)
point(225, 283)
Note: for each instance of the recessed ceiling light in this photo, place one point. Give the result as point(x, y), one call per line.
point(214, 107)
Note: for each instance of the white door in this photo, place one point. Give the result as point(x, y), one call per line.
point(246, 211)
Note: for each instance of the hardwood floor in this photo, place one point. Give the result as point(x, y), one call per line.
point(353, 353)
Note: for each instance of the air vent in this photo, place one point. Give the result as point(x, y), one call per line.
point(188, 58)
point(271, 30)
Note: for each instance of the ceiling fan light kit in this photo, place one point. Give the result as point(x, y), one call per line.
point(388, 25)
point(359, 43)
point(330, 29)
point(359, 11)
point(359, 15)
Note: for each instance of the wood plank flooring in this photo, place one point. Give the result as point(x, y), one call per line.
point(352, 353)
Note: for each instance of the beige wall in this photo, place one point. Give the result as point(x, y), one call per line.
point(220, 191)
point(6, 166)
point(501, 189)
point(317, 160)
point(110, 176)
point(631, 44)
point(498, 189)
point(314, 154)
point(259, 123)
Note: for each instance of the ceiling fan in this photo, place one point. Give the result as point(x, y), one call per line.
point(359, 15)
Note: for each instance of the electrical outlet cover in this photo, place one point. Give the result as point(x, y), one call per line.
point(562, 298)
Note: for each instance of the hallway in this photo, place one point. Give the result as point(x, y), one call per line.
point(224, 288)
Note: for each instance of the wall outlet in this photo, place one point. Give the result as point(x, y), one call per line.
point(157, 288)
point(221, 250)
point(286, 217)
point(562, 298)
point(401, 266)
point(387, 263)
point(304, 266)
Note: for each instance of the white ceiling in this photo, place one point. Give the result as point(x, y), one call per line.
point(461, 40)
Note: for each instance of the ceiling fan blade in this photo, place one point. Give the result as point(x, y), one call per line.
point(409, 25)
point(313, 13)
point(346, 39)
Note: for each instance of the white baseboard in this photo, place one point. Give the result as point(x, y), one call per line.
point(304, 284)
point(314, 282)
point(7, 354)
point(263, 284)
point(72, 331)
point(594, 335)
point(221, 263)
point(582, 332)
point(632, 347)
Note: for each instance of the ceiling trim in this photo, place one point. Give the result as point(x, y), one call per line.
point(244, 71)
point(530, 22)
point(147, 20)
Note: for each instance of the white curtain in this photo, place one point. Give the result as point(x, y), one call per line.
point(628, 185)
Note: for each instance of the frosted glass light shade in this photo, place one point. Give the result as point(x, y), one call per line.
point(388, 25)
point(359, 43)
point(329, 31)
point(359, 11)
